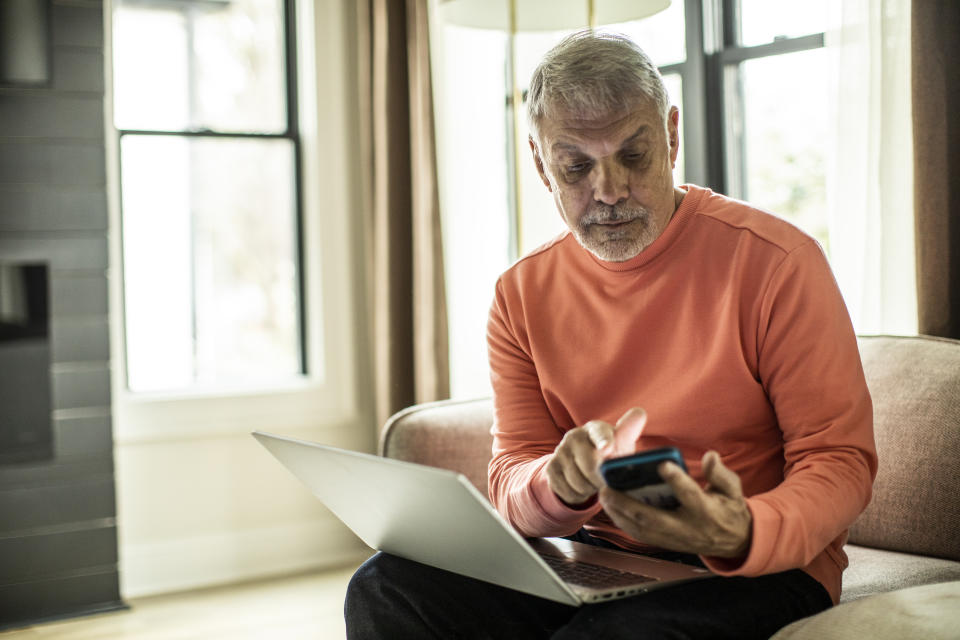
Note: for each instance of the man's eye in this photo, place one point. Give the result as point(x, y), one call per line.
point(633, 157)
point(578, 167)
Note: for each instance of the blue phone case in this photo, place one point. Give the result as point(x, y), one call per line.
point(637, 476)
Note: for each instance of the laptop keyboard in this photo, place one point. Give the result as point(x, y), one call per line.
point(592, 575)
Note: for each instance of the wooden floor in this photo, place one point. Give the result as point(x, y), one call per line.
point(303, 607)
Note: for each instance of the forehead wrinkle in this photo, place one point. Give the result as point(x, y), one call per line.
point(561, 146)
point(639, 134)
point(564, 146)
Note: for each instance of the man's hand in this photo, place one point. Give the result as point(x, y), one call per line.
point(573, 472)
point(713, 522)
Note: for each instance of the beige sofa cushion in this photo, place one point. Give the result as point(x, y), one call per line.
point(915, 385)
point(448, 434)
point(875, 571)
point(930, 611)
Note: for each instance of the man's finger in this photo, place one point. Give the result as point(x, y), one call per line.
point(628, 430)
point(644, 523)
point(600, 432)
point(720, 478)
point(588, 463)
point(686, 489)
point(567, 482)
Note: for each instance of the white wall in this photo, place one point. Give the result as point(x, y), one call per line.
point(214, 510)
point(199, 501)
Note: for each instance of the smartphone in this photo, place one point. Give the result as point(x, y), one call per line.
point(636, 475)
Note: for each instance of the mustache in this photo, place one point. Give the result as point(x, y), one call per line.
point(613, 214)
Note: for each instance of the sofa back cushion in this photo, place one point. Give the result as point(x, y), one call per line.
point(449, 434)
point(915, 386)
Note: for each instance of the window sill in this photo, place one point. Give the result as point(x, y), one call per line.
point(197, 414)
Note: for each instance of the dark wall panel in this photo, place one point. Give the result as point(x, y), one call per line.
point(77, 26)
point(85, 437)
point(45, 556)
point(49, 115)
point(77, 70)
point(58, 548)
point(77, 294)
point(93, 590)
point(80, 339)
point(80, 500)
point(81, 386)
point(45, 208)
point(53, 163)
point(62, 471)
point(80, 251)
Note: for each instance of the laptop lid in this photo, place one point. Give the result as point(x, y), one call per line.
point(437, 517)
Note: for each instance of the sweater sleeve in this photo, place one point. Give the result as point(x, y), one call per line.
point(524, 435)
point(810, 367)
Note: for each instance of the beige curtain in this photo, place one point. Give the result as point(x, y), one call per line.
point(405, 285)
point(935, 50)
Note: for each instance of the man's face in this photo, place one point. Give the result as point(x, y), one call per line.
point(611, 177)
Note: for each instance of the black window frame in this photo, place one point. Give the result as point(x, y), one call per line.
point(712, 90)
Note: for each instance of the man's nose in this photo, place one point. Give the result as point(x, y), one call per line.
point(611, 182)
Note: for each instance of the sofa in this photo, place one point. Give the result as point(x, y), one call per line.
point(904, 550)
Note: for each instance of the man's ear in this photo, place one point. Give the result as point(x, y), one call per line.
point(537, 160)
point(673, 134)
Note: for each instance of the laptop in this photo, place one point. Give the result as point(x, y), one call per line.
point(438, 518)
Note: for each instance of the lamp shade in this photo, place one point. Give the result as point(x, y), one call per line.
point(545, 15)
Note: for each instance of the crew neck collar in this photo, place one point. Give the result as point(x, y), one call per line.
point(678, 221)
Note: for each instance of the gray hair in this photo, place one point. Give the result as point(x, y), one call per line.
point(591, 73)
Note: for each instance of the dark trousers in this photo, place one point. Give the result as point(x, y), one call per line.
point(390, 597)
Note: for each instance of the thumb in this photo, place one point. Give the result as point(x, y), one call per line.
point(719, 477)
point(628, 430)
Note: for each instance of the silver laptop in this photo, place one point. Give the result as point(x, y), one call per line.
point(437, 517)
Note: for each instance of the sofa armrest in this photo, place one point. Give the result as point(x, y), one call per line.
point(450, 434)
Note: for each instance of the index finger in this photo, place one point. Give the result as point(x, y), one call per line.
point(600, 432)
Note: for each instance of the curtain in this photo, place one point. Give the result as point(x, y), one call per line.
point(405, 282)
point(936, 125)
point(870, 167)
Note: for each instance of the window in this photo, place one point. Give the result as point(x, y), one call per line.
point(766, 82)
point(749, 77)
point(233, 153)
point(205, 104)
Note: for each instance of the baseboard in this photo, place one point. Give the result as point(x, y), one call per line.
point(93, 610)
point(235, 556)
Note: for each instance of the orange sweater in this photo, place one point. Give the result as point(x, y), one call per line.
point(730, 331)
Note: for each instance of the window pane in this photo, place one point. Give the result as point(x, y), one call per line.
point(764, 21)
point(785, 129)
point(662, 36)
point(472, 147)
point(210, 266)
point(199, 65)
point(674, 84)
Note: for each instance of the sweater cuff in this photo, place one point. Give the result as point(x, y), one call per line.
point(765, 530)
point(556, 509)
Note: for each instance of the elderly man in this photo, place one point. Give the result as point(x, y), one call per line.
point(721, 321)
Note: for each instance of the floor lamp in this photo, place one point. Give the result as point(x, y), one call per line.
point(517, 16)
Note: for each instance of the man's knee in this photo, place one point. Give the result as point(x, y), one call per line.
point(377, 603)
point(373, 579)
